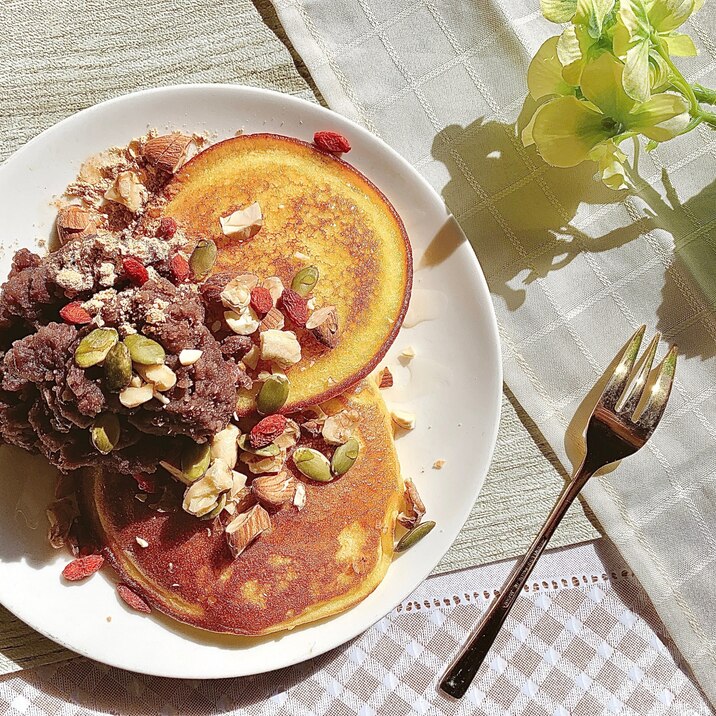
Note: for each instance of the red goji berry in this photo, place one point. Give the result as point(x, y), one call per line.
point(331, 142)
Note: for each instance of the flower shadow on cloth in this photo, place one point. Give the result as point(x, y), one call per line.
point(526, 219)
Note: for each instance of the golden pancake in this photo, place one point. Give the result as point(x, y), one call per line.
point(314, 563)
point(316, 206)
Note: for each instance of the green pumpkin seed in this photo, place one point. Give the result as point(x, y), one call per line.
point(105, 433)
point(195, 460)
point(93, 348)
point(217, 510)
point(203, 258)
point(305, 280)
point(273, 394)
point(117, 368)
point(144, 350)
point(313, 464)
point(412, 537)
point(344, 457)
point(270, 450)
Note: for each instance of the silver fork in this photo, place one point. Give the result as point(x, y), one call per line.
point(624, 418)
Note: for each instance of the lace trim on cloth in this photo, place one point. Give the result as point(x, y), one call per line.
point(570, 647)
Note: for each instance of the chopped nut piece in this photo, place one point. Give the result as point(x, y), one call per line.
point(299, 496)
point(312, 420)
point(141, 542)
point(202, 496)
point(339, 428)
point(244, 323)
point(251, 359)
point(235, 295)
point(438, 464)
point(290, 435)
point(272, 321)
point(274, 490)
point(275, 287)
point(167, 152)
point(323, 324)
point(414, 509)
point(261, 464)
point(243, 223)
point(385, 378)
point(135, 381)
point(408, 352)
point(280, 347)
point(403, 418)
point(133, 397)
point(243, 500)
point(162, 377)
point(74, 222)
point(189, 356)
point(245, 528)
point(223, 445)
point(238, 483)
point(128, 190)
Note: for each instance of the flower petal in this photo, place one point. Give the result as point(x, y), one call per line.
point(544, 76)
point(602, 84)
point(573, 48)
point(661, 118)
point(611, 162)
point(680, 45)
point(667, 15)
point(558, 10)
point(565, 130)
point(592, 14)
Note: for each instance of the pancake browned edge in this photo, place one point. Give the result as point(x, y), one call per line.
point(314, 563)
point(317, 209)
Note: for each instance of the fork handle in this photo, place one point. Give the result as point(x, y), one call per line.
point(462, 671)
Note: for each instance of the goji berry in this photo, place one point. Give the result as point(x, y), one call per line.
point(132, 599)
point(167, 228)
point(82, 567)
point(331, 142)
point(135, 271)
point(179, 267)
point(267, 430)
point(261, 300)
point(74, 313)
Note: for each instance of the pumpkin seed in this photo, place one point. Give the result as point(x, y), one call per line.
point(203, 258)
point(221, 503)
point(195, 460)
point(270, 450)
point(93, 348)
point(117, 368)
point(313, 464)
point(144, 350)
point(105, 432)
point(305, 280)
point(273, 394)
point(344, 457)
point(412, 537)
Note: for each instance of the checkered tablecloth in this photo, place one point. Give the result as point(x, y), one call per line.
point(582, 640)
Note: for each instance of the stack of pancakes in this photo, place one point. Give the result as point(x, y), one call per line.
point(322, 559)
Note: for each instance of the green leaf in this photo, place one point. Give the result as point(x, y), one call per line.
point(558, 10)
point(566, 130)
point(544, 75)
point(663, 117)
point(680, 45)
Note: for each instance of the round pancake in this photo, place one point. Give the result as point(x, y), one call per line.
point(312, 564)
point(317, 206)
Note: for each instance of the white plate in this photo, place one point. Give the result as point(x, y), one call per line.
point(454, 388)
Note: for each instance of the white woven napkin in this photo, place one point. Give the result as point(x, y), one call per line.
point(573, 267)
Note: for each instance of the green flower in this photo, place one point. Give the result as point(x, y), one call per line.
point(642, 26)
point(611, 161)
point(544, 75)
point(566, 130)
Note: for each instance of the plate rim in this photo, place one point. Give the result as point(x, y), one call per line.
point(481, 286)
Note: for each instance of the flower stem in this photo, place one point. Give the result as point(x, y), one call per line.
point(677, 79)
point(704, 94)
